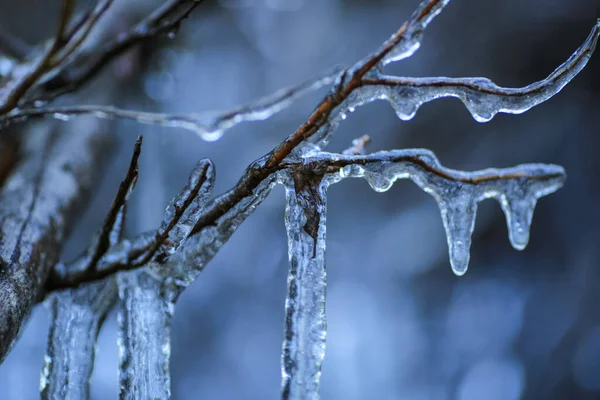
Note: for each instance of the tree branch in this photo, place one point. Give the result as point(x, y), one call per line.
point(39, 202)
point(167, 18)
point(209, 126)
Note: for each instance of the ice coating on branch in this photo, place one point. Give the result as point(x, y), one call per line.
point(305, 322)
point(144, 319)
point(210, 126)
point(191, 201)
point(457, 193)
point(410, 41)
point(148, 296)
point(197, 250)
point(482, 97)
point(76, 315)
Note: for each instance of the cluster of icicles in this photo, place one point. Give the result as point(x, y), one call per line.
point(146, 298)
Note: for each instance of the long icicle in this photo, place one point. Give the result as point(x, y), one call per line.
point(305, 321)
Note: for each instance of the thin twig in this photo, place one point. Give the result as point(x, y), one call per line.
point(209, 125)
point(28, 80)
point(120, 200)
point(167, 18)
point(81, 32)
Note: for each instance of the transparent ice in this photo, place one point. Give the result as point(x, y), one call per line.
point(305, 322)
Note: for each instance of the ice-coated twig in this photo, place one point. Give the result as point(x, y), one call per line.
point(482, 97)
point(15, 89)
point(209, 126)
point(114, 221)
point(81, 31)
point(182, 212)
point(457, 193)
point(305, 325)
point(132, 254)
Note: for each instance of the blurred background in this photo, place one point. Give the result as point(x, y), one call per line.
point(400, 324)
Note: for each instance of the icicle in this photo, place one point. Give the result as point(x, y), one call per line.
point(144, 319)
point(305, 322)
point(76, 316)
point(457, 193)
point(458, 215)
point(518, 202)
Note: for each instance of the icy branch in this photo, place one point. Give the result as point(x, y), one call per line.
point(209, 126)
point(305, 321)
point(482, 97)
point(147, 296)
point(457, 193)
point(39, 203)
point(144, 318)
point(76, 315)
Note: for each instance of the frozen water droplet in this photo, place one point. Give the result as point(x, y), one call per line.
point(458, 215)
point(519, 220)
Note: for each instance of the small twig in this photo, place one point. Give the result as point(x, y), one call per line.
point(28, 80)
point(162, 235)
point(119, 202)
point(80, 32)
point(167, 18)
point(145, 248)
point(209, 125)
